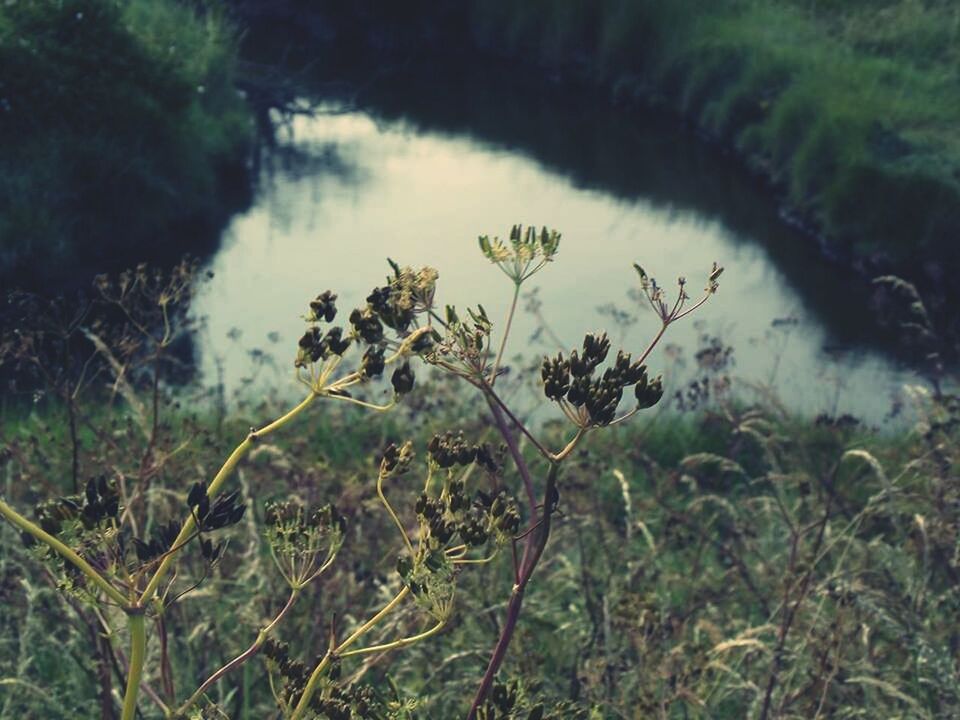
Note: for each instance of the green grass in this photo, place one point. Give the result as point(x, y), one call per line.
point(661, 597)
point(851, 107)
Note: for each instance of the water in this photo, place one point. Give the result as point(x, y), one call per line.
point(396, 177)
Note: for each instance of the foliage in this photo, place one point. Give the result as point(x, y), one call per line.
point(133, 546)
point(724, 561)
point(125, 118)
point(848, 106)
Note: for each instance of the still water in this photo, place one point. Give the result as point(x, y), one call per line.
point(350, 185)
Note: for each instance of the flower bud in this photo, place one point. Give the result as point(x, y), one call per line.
point(324, 307)
point(649, 394)
point(402, 379)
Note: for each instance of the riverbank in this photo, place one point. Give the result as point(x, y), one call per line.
point(849, 110)
point(131, 140)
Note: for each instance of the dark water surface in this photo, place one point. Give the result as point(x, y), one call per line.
point(416, 170)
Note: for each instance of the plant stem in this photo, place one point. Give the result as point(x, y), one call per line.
point(138, 644)
point(40, 534)
point(244, 656)
point(216, 483)
point(514, 449)
point(506, 333)
point(491, 395)
point(74, 443)
point(393, 514)
point(397, 644)
point(533, 550)
point(357, 634)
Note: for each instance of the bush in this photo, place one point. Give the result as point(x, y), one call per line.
point(125, 119)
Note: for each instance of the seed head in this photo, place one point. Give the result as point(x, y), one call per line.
point(324, 307)
point(402, 379)
point(649, 393)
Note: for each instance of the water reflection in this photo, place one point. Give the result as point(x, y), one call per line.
point(420, 192)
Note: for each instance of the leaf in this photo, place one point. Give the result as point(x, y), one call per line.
point(889, 689)
point(742, 642)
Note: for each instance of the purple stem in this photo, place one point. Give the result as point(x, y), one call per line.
point(533, 550)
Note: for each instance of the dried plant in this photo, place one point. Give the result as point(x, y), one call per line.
point(453, 511)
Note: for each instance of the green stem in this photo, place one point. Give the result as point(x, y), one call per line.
point(393, 514)
point(244, 656)
point(218, 480)
point(506, 332)
point(357, 634)
point(396, 644)
point(36, 531)
point(138, 645)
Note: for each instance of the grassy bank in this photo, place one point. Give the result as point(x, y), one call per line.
point(124, 129)
point(850, 107)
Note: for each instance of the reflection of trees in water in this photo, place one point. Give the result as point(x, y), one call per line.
point(277, 101)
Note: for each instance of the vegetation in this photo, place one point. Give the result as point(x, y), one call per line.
point(851, 107)
point(404, 554)
point(114, 547)
point(729, 561)
point(127, 127)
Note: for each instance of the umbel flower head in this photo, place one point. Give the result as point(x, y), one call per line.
point(590, 401)
point(303, 541)
point(386, 330)
point(526, 252)
point(593, 401)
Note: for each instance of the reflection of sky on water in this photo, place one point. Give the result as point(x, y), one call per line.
point(355, 193)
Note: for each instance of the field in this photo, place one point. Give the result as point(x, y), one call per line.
point(726, 561)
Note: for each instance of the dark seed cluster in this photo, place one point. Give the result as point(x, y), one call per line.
point(473, 520)
point(354, 702)
point(393, 306)
point(406, 569)
point(648, 392)
point(572, 380)
point(367, 325)
point(162, 540)
point(396, 460)
point(99, 503)
point(507, 701)
point(449, 449)
point(290, 514)
point(384, 302)
point(303, 541)
point(402, 379)
point(372, 364)
point(324, 307)
point(501, 704)
point(226, 511)
point(503, 510)
point(294, 673)
point(52, 514)
point(316, 346)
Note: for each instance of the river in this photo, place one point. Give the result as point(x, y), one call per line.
point(415, 171)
